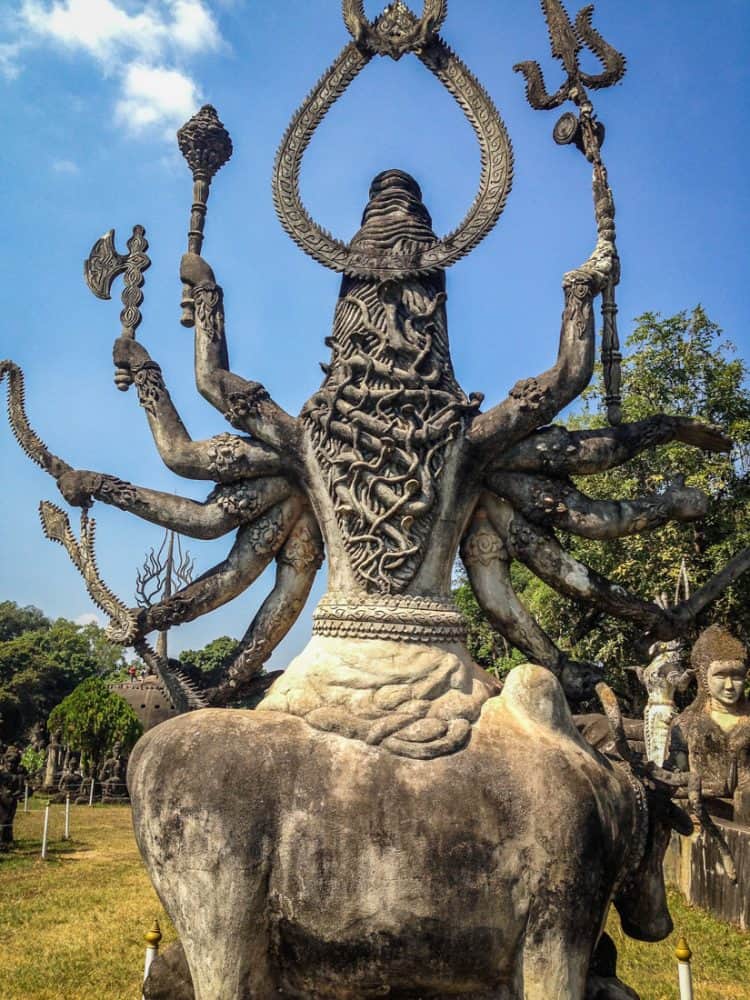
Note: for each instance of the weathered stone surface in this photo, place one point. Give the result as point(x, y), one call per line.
point(695, 866)
point(336, 869)
point(169, 976)
point(711, 738)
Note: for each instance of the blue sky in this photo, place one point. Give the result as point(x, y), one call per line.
point(93, 91)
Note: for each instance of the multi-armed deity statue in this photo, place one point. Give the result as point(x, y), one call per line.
point(388, 823)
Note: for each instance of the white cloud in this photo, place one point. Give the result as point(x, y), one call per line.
point(143, 43)
point(106, 30)
point(193, 28)
point(99, 27)
point(156, 96)
point(9, 66)
point(65, 167)
point(88, 619)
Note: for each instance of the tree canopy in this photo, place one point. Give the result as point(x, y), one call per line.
point(680, 365)
point(211, 659)
point(92, 719)
point(42, 661)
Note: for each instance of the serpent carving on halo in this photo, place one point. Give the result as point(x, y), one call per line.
point(390, 461)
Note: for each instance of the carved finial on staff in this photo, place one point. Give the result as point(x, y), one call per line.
point(587, 133)
point(206, 146)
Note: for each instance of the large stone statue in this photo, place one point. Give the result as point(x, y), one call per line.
point(711, 738)
point(387, 822)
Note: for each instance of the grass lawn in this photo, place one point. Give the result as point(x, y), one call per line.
point(71, 927)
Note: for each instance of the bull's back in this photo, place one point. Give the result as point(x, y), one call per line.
point(342, 865)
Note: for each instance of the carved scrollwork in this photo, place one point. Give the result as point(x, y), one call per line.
point(245, 404)
point(149, 384)
point(397, 30)
point(223, 455)
point(209, 311)
point(304, 548)
point(404, 617)
point(484, 547)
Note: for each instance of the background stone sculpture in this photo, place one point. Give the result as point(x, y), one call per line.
point(711, 738)
point(321, 874)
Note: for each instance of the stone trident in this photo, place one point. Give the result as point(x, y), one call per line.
point(587, 133)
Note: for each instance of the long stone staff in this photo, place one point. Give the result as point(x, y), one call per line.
point(206, 146)
point(567, 40)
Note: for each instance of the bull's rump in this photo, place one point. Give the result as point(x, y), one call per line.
point(351, 867)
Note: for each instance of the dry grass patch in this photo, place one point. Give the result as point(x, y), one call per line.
point(71, 927)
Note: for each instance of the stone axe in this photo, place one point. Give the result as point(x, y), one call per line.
point(206, 146)
point(100, 269)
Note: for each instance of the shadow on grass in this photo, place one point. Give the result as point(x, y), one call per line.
point(25, 852)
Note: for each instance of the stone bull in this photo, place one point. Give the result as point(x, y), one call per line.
point(330, 869)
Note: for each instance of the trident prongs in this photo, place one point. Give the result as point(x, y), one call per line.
point(100, 269)
point(567, 40)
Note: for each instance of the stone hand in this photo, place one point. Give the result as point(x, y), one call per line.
point(685, 502)
point(579, 680)
point(195, 271)
point(129, 356)
point(700, 435)
point(79, 487)
point(601, 268)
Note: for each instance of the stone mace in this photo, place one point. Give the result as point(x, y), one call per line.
point(206, 146)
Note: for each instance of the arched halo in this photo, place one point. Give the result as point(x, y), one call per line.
point(395, 32)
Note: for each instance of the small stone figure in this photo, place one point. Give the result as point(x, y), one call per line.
point(661, 679)
point(711, 738)
point(12, 778)
point(70, 779)
point(52, 766)
point(112, 776)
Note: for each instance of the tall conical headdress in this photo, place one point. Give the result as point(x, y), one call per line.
point(396, 32)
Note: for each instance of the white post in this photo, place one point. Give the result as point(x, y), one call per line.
point(45, 832)
point(683, 955)
point(152, 948)
point(26, 797)
point(67, 818)
point(91, 793)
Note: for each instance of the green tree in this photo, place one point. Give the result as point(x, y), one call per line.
point(92, 719)
point(32, 760)
point(15, 620)
point(42, 662)
point(680, 365)
point(211, 659)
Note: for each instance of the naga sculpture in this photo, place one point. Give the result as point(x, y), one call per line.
point(304, 891)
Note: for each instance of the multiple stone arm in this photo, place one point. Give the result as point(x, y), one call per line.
point(255, 546)
point(297, 563)
point(488, 567)
point(225, 458)
point(246, 405)
point(558, 451)
point(225, 509)
point(557, 503)
point(541, 552)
